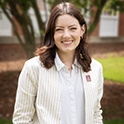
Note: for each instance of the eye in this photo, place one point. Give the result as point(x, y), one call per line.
point(58, 29)
point(73, 28)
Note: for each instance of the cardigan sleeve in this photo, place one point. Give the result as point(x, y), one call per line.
point(25, 98)
point(97, 114)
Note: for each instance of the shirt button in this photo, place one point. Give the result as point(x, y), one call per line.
point(65, 69)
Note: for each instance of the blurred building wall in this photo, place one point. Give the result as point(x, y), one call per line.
point(110, 27)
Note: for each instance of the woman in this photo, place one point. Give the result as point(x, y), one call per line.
point(62, 85)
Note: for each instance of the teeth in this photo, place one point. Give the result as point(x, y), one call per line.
point(67, 42)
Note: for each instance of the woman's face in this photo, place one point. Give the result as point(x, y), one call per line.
point(67, 33)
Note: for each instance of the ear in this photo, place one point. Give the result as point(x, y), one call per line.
point(82, 29)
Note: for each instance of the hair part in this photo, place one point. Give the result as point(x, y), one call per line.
point(48, 51)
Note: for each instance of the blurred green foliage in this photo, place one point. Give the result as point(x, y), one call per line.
point(116, 121)
point(5, 121)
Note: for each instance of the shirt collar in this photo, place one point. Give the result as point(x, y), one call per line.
point(59, 65)
point(77, 64)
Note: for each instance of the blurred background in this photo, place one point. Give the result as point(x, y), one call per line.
point(22, 27)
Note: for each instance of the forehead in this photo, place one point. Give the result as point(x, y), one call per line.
point(66, 19)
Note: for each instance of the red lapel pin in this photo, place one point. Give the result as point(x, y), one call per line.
point(88, 78)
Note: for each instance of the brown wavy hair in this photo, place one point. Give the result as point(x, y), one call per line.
point(48, 51)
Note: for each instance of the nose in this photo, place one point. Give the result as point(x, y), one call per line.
point(66, 34)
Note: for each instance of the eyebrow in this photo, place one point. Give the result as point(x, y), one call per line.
point(68, 26)
point(72, 25)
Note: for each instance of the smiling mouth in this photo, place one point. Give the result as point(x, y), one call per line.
point(67, 42)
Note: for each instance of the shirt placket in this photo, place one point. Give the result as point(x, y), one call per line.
point(70, 85)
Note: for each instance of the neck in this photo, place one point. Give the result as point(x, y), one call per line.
point(67, 58)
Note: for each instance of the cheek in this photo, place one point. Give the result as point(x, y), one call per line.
point(76, 35)
point(57, 37)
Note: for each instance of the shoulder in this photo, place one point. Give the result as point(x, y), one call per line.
point(35, 61)
point(32, 65)
point(95, 64)
point(96, 70)
point(31, 68)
